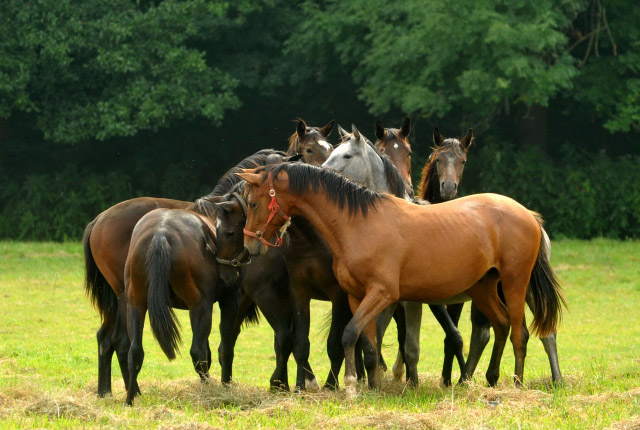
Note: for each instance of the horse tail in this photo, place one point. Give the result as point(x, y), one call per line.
point(96, 286)
point(252, 317)
point(162, 318)
point(547, 298)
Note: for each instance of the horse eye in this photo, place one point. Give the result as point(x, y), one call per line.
point(347, 156)
point(253, 205)
point(309, 151)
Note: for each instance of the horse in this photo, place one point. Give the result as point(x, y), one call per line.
point(175, 260)
point(357, 159)
point(106, 243)
point(310, 142)
point(394, 143)
point(380, 260)
point(439, 182)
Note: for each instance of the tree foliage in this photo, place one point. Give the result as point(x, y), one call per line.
point(99, 69)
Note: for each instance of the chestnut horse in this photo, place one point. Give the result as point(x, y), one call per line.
point(471, 244)
point(106, 245)
point(174, 262)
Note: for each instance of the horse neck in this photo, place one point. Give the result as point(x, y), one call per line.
point(330, 221)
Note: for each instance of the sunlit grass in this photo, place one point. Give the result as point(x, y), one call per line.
point(48, 361)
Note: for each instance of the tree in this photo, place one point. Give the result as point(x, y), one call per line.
point(101, 69)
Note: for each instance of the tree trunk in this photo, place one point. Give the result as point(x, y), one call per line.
point(532, 127)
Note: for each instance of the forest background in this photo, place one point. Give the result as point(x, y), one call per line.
point(102, 101)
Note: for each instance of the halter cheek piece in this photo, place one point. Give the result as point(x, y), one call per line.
point(274, 209)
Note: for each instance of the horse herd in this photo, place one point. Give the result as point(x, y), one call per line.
point(355, 236)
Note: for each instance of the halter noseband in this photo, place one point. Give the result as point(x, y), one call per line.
point(237, 261)
point(274, 209)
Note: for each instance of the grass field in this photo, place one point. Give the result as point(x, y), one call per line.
point(48, 361)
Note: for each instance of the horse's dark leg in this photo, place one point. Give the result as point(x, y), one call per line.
point(340, 316)
point(383, 321)
point(279, 317)
point(369, 344)
point(413, 319)
point(120, 340)
point(228, 311)
point(480, 335)
point(200, 317)
point(550, 348)
point(398, 368)
point(135, 326)
point(301, 346)
point(105, 354)
point(448, 319)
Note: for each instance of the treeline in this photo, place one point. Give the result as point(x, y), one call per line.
point(104, 101)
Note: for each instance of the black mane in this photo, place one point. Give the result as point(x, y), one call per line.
point(396, 184)
point(340, 190)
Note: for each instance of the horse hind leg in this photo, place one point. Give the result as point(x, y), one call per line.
point(121, 342)
point(550, 347)
point(105, 354)
point(135, 326)
point(480, 336)
point(200, 317)
point(453, 342)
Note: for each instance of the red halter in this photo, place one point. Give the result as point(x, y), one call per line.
point(274, 208)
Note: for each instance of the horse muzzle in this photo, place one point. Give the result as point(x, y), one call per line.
point(254, 246)
point(448, 190)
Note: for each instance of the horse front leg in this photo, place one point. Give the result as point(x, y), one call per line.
point(383, 321)
point(301, 346)
point(453, 342)
point(364, 312)
point(228, 311)
point(413, 320)
point(480, 335)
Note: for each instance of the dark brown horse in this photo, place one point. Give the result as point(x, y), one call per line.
point(440, 181)
point(106, 245)
point(311, 142)
point(394, 143)
point(495, 237)
point(174, 262)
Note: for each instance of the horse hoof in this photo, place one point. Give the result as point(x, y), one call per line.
point(445, 383)
point(351, 393)
point(312, 385)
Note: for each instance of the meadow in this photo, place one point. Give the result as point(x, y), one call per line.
point(48, 361)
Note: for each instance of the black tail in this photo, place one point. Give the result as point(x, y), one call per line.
point(546, 294)
point(96, 286)
point(252, 317)
point(163, 320)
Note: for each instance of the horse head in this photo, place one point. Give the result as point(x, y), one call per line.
point(443, 172)
point(356, 158)
point(311, 142)
point(394, 142)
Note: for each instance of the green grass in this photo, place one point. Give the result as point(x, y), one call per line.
point(48, 361)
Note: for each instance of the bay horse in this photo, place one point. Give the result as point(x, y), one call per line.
point(311, 142)
point(175, 260)
point(106, 243)
point(380, 260)
point(439, 182)
point(357, 159)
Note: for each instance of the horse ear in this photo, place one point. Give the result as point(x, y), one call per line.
point(342, 132)
point(437, 137)
point(293, 158)
point(356, 132)
point(379, 130)
point(468, 139)
point(405, 129)
point(327, 129)
point(250, 176)
point(301, 128)
point(225, 206)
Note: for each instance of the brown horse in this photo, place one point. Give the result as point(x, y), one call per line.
point(106, 245)
point(173, 262)
point(311, 142)
point(394, 143)
point(472, 243)
point(440, 181)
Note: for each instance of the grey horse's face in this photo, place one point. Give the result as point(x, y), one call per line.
point(350, 158)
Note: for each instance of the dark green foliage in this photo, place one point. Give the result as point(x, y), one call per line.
point(580, 195)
